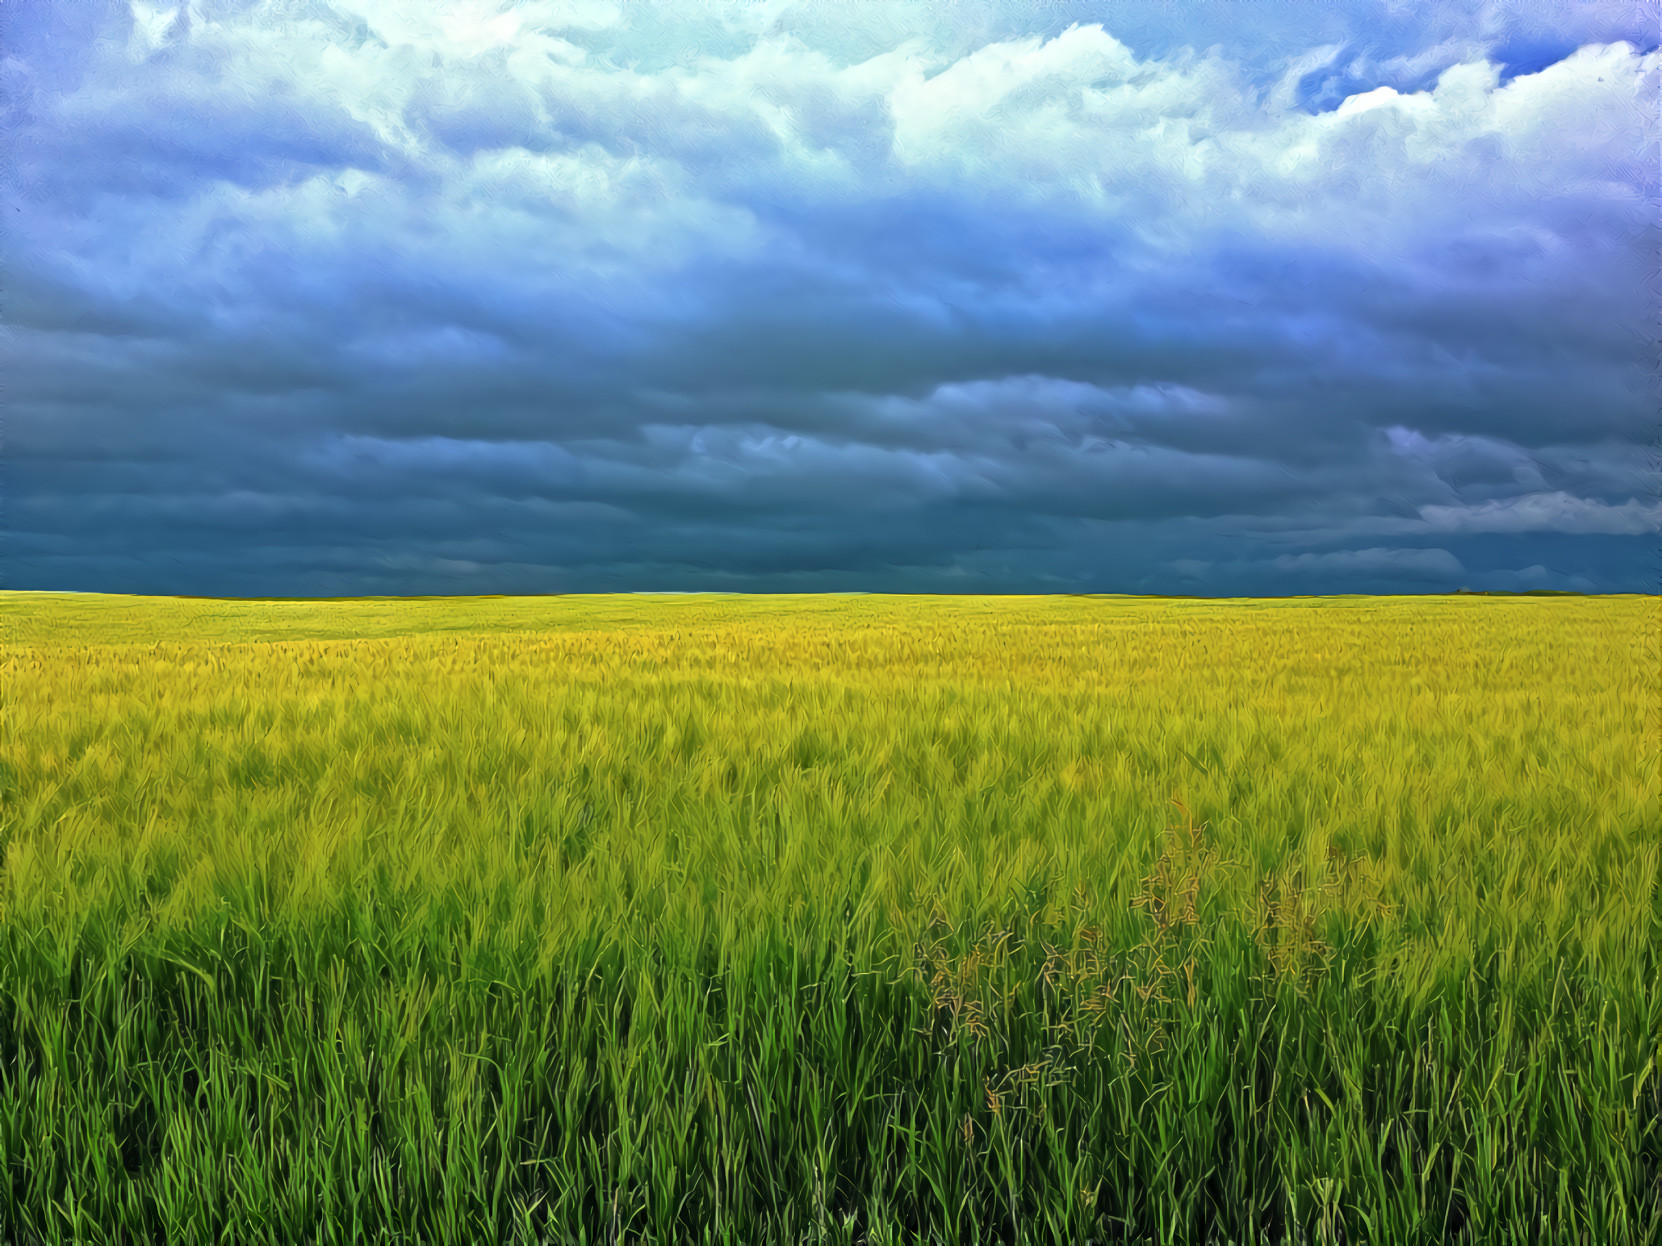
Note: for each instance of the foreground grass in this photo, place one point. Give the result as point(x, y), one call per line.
point(830, 919)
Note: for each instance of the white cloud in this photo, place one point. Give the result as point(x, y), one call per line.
point(1547, 512)
point(1379, 97)
point(1075, 118)
point(707, 251)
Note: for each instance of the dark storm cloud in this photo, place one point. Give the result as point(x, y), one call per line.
point(374, 297)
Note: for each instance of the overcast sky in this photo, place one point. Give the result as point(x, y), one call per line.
point(1170, 296)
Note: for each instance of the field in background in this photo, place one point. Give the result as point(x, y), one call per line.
point(861, 919)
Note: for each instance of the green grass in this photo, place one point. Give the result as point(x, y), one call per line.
point(843, 919)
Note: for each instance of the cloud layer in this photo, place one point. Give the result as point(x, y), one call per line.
point(485, 297)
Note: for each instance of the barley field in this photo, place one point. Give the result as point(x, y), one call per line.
point(830, 919)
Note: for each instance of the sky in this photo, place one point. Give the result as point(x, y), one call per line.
point(991, 296)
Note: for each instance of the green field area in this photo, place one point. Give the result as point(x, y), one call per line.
point(830, 919)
